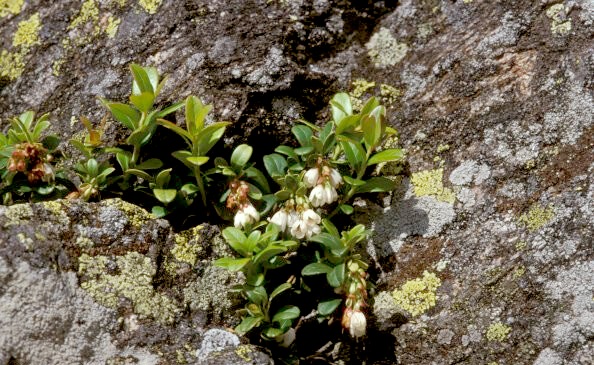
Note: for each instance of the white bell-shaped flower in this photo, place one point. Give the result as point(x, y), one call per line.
point(281, 219)
point(246, 215)
point(335, 178)
point(358, 324)
point(311, 177)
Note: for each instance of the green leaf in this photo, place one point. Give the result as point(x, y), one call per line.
point(302, 151)
point(140, 136)
point(195, 114)
point(258, 178)
point(354, 153)
point(92, 167)
point(247, 324)
point(124, 114)
point(347, 123)
point(236, 238)
point(163, 178)
point(143, 102)
point(393, 154)
point(141, 174)
point(287, 151)
point(241, 155)
point(142, 82)
point(327, 307)
point(189, 189)
point(377, 185)
point(170, 109)
point(355, 182)
point(330, 227)
point(286, 313)
point(45, 190)
point(150, 164)
point(197, 160)
point(272, 332)
point(336, 276)
point(303, 134)
point(153, 76)
point(232, 264)
point(178, 130)
point(370, 104)
point(257, 295)
point(209, 136)
point(268, 252)
point(27, 118)
point(165, 196)
point(341, 107)
point(329, 241)
point(183, 157)
point(51, 142)
point(252, 240)
point(123, 159)
point(158, 211)
point(279, 289)
point(346, 209)
point(275, 164)
point(315, 269)
point(40, 126)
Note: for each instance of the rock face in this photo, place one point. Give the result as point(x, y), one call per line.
point(484, 254)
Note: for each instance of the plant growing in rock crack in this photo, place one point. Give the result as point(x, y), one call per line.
point(26, 161)
point(316, 180)
point(140, 117)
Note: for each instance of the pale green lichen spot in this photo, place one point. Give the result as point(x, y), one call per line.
point(17, 214)
point(419, 295)
point(150, 6)
point(8, 7)
point(430, 183)
point(88, 12)
point(537, 217)
point(384, 50)
point(27, 33)
point(560, 21)
point(12, 64)
point(498, 332)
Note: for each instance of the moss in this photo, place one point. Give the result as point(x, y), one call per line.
point(537, 217)
point(89, 12)
point(8, 7)
point(419, 295)
point(112, 26)
point(384, 50)
point(135, 214)
point(12, 64)
point(560, 21)
point(187, 247)
point(27, 33)
point(56, 209)
point(150, 6)
point(16, 214)
point(389, 94)
point(429, 183)
point(498, 332)
point(134, 281)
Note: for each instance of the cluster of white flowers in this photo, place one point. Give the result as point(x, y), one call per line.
point(300, 225)
point(324, 184)
point(246, 215)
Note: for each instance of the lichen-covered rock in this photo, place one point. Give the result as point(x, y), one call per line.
point(493, 102)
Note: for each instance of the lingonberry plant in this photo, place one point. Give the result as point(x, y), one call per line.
point(281, 223)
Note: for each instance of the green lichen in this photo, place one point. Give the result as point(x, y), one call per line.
point(519, 272)
point(424, 30)
point(498, 332)
point(150, 6)
point(384, 50)
point(560, 21)
point(211, 292)
point(134, 281)
point(244, 351)
point(89, 12)
point(136, 215)
point(537, 217)
point(24, 240)
point(17, 214)
point(389, 94)
point(443, 147)
point(56, 209)
point(359, 88)
point(57, 66)
point(12, 64)
point(187, 246)
point(27, 33)
point(419, 295)
point(84, 242)
point(112, 26)
point(429, 183)
point(521, 245)
point(8, 7)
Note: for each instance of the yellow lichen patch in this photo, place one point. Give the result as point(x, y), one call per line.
point(150, 6)
point(134, 281)
point(419, 295)
point(185, 249)
point(16, 214)
point(389, 94)
point(135, 214)
point(560, 21)
point(8, 7)
point(429, 183)
point(360, 87)
point(27, 33)
point(537, 217)
point(57, 213)
point(112, 26)
point(12, 64)
point(521, 245)
point(498, 332)
point(88, 12)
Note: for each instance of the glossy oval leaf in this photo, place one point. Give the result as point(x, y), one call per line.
point(393, 154)
point(165, 196)
point(315, 269)
point(327, 307)
point(303, 134)
point(241, 155)
point(286, 313)
point(336, 276)
point(275, 164)
point(377, 185)
point(247, 324)
point(124, 114)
